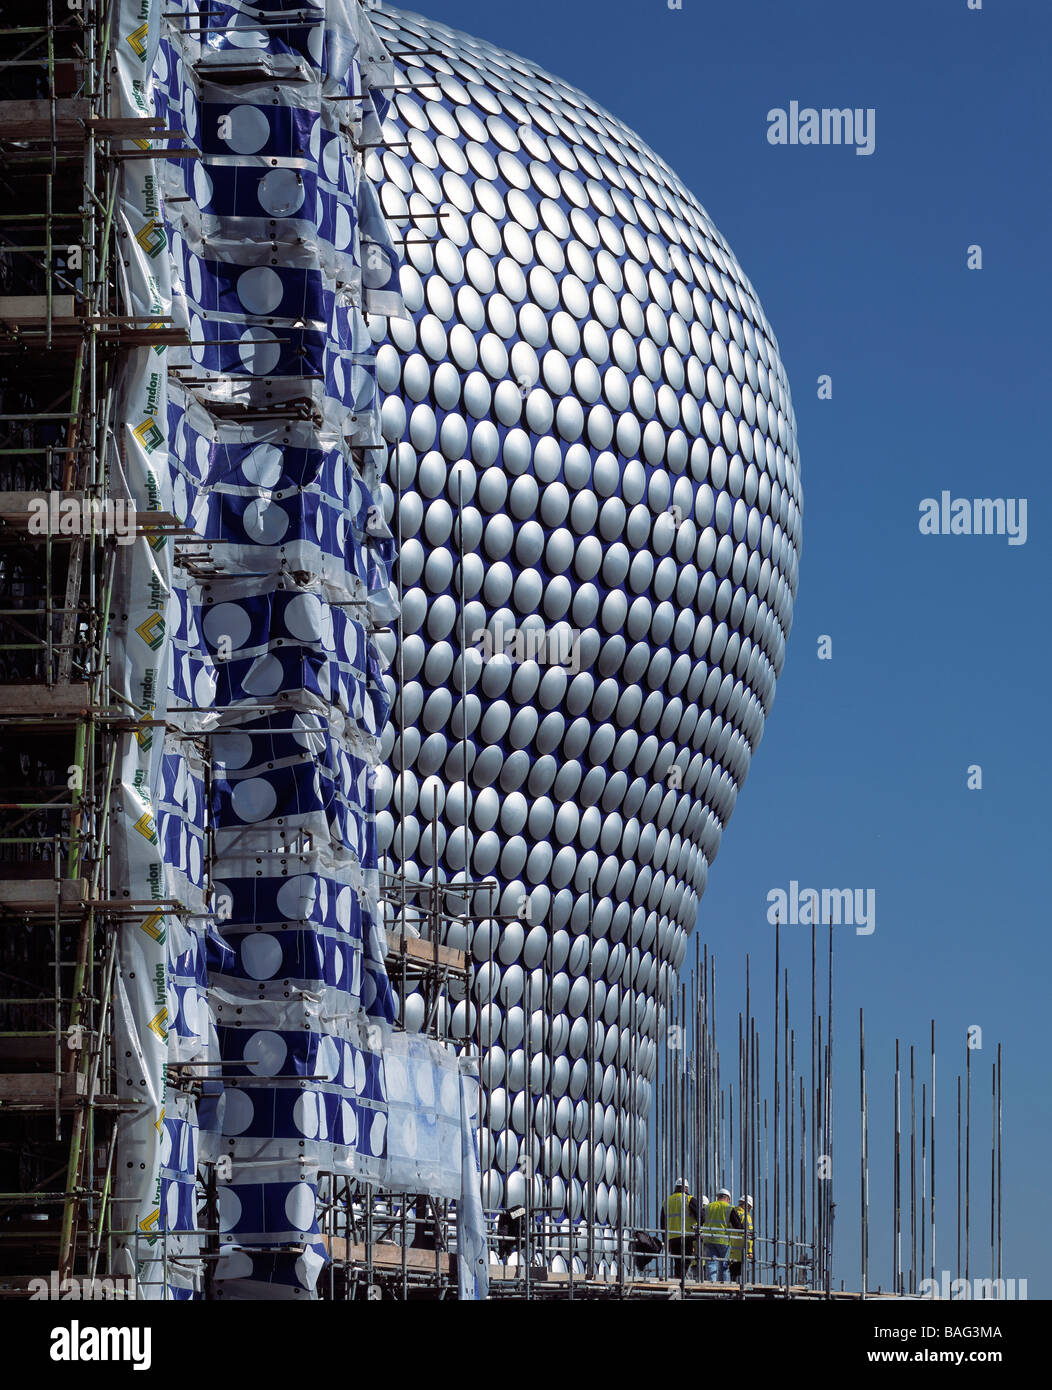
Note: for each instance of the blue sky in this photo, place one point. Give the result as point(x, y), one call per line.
point(940, 648)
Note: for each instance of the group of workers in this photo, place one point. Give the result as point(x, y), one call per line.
point(725, 1233)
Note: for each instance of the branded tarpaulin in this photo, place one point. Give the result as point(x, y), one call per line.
point(254, 1013)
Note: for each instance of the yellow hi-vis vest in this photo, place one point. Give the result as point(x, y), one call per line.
point(678, 1219)
point(716, 1230)
point(737, 1236)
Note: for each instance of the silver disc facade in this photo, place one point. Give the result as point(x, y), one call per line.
point(590, 405)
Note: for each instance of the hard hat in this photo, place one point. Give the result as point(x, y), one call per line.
point(745, 1201)
point(723, 1192)
point(683, 1183)
point(704, 1200)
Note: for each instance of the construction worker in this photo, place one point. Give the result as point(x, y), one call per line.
point(715, 1234)
point(741, 1226)
point(679, 1217)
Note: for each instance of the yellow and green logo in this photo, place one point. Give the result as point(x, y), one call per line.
point(148, 1225)
point(146, 827)
point(158, 1025)
point(154, 926)
point(144, 738)
point(137, 41)
point(152, 238)
point(149, 434)
point(151, 630)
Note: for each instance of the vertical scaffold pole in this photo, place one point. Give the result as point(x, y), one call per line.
point(863, 1153)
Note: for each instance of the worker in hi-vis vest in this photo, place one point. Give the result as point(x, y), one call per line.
point(679, 1217)
point(741, 1225)
point(716, 1236)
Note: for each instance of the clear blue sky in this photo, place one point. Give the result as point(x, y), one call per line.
point(940, 644)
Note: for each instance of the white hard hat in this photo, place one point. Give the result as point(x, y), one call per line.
point(745, 1201)
point(723, 1192)
point(704, 1200)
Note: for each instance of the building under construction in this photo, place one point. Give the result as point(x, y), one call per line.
point(202, 1087)
point(240, 1053)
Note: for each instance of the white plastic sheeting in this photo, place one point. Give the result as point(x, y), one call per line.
point(472, 1249)
point(139, 656)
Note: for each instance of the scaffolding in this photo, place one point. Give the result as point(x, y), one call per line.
point(62, 334)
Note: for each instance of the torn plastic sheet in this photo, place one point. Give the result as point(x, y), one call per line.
point(472, 1247)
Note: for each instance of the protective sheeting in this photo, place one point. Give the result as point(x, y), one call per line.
point(139, 656)
point(472, 1250)
point(253, 811)
point(364, 1101)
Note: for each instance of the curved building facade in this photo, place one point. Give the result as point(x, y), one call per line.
point(595, 485)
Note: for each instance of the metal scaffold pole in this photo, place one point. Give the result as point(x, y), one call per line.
point(777, 1096)
point(829, 1125)
point(863, 1154)
point(1000, 1150)
point(896, 1232)
point(932, 1208)
point(59, 340)
point(968, 1162)
point(913, 1176)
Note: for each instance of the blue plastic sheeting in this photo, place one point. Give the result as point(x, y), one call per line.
point(253, 1008)
point(265, 258)
point(387, 1109)
point(262, 436)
